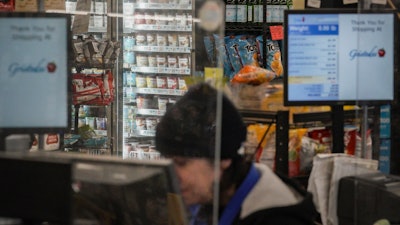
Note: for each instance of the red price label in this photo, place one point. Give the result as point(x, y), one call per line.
point(276, 32)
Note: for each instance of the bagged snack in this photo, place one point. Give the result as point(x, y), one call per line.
point(86, 88)
point(274, 62)
point(247, 50)
point(350, 134)
point(294, 148)
point(260, 44)
point(253, 75)
point(108, 88)
point(7, 5)
point(323, 135)
point(210, 47)
point(221, 50)
point(257, 137)
point(92, 89)
point(367, 154)
point(232, 50)
point(309, 148)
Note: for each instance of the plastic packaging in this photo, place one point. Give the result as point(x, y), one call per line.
point(254, 75)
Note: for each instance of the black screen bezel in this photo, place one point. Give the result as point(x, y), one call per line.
point(288, 102)
point(45, 186)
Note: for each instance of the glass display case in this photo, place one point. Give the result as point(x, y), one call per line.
point(131, 59)
point(157, 56)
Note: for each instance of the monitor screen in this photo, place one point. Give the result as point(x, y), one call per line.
point(34, 72)
point(35, 189)
point(73, 188)
point(339, 57)
point(126, 193)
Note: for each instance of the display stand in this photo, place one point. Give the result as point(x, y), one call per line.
point(337, 115)
point(281, 119)
point(338, 121)
point(3, 141)
point(337, 118)
point(364, 129)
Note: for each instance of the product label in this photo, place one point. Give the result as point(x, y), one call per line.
point(384, 156)
point(385, 122)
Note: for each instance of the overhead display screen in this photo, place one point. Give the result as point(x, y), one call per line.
point(34, 71)
point(339, 56)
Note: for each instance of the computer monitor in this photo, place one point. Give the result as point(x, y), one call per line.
point(35, 72)
point(72, 188)
point(126, 192)
point(368, 198)
point(35, 189)
point(339, 57)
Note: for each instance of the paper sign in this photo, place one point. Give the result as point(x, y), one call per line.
point(82, 17)
point(298, 4)
point(214, 76)
point(26, 5)
point(276, 32)
point(380, 2)
point(54, 5)
point(314, 3)
point(346, 2)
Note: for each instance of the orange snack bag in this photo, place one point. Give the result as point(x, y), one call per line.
point(254, 75)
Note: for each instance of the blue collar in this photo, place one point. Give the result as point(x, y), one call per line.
point(234, 205)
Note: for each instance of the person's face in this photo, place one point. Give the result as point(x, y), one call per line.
point(196, 178)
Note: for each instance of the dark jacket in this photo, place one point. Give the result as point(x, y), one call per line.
point(276, 200)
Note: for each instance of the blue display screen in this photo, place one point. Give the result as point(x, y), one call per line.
point(34, 71)
point(337, 56)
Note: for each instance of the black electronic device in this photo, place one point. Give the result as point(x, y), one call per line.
point(125, 192)
point(35, 72)
point(35, 189)
point(72, 188)
point(347, 4)
point(339, 57)
point(368, 198)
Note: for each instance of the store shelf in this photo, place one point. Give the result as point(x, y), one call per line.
point(101, 132)
point(150, 112)
point(336, 119)
point(255, 116)
point(95, 66)
point(281, 119)
point(140, 134)
point(157, 50)
point(163, 6)
point(97, 30)
point(326, 117)
point(160, 91)
point(244, 27)
point(248, 27)
point(148, 133)
point(163, 49)
point(155, 27)
point(162, 70)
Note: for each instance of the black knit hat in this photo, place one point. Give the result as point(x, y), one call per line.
point(188, 128)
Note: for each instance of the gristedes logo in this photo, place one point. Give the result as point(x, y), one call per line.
point(374, 52)
point(40, 67)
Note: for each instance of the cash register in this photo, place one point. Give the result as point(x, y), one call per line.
point(368, 198)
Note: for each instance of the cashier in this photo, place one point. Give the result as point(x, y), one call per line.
point(249, 192)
